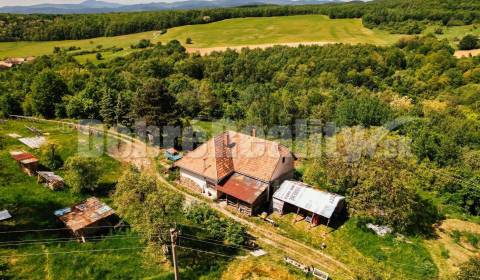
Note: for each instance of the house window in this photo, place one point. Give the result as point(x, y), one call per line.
point(283, 159)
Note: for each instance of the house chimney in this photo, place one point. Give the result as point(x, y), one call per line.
point(227, 138)
point(254, 132)
point(204, 163)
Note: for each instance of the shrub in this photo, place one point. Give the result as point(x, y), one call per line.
point(142, 44)
point(439, 31)
point(217, 227)
point(469, 42)
point(82, 173)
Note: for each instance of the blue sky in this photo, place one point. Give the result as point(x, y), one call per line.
point(33, 2)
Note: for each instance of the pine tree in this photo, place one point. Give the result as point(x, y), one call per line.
point(107, 107)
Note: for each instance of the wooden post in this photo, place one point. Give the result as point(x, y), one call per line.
point(173, 238)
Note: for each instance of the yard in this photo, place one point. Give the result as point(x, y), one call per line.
point(23, 254)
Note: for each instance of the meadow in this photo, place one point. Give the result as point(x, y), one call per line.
point(232, 32)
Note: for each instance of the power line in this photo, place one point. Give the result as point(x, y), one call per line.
point(66, 238)
point(99, 238)
point(72, 252)
point(214, 243)
point(54, 229)
point(206, 252)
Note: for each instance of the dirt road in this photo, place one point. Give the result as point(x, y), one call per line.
point(460, 54)
point(206, 51)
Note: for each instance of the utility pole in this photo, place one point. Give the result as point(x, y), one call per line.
point(173, 238)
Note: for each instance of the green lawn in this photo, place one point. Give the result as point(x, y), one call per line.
point(454, 33)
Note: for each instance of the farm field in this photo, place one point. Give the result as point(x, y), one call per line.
point(256, 32)
point(232, 32)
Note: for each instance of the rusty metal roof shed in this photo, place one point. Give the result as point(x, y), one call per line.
point(85, 214)
point(243, 187)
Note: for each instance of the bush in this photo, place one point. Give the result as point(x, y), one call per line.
point(469, 42)
point(142, 44)
point(189, 41)
point(99, 56)
point(216, 226)
point(439, 31)
point(82, 173)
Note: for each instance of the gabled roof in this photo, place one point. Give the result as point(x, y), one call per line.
point(303, 196)
point(231, 152)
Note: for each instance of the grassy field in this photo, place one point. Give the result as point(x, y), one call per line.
point(232, 32)
point(236, 32)
point(32, 207)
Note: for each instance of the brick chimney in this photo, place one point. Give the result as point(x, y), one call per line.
point(254, 132)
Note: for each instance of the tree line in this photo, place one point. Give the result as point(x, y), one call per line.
point(397, 16)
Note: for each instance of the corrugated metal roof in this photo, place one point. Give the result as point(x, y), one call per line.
point(303, 196)
point(50, 176)
point(20, 155)
point(243, 187)
point(84, 214)
point(5, 215)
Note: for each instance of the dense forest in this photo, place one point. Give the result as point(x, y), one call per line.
point(359, 88)
point(398, 16)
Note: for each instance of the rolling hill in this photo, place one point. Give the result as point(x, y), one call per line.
point(94, 6)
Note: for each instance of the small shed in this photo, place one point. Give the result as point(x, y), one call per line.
point(244, 193)
point(86, 218)
point(293, 196)
point(5, 215)
point(51, 180)
point(172, 154)
point(33, 142)
point(27, 162)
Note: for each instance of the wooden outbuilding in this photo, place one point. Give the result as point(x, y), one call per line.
point(87, 218)
point(50, 179)
point(27, 162)
point(244, 193)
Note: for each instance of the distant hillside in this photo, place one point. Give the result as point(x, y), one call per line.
point(94, 6)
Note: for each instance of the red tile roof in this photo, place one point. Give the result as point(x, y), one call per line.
point(235, 152)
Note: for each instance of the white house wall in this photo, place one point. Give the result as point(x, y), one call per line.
point(200, 182)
